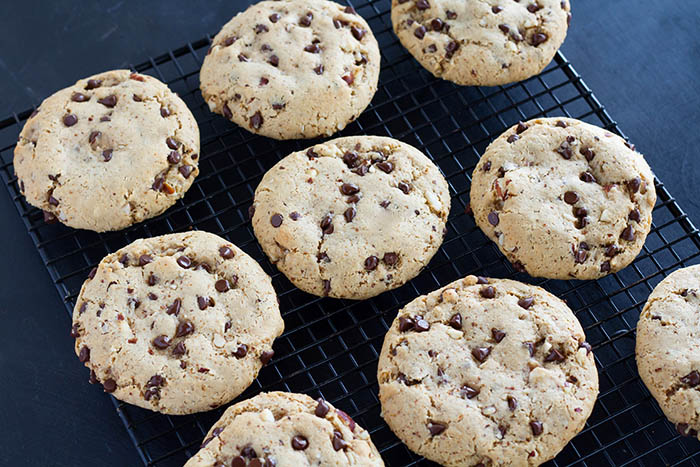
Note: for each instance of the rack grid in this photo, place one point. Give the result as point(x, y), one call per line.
point(330, 347)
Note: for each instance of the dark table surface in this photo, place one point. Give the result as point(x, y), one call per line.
point(640, 57)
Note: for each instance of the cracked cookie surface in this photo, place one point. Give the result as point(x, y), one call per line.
point(112, 150)
point(177, 324)
point(352, 217)
point(568, 189)
point(481, 42)
point(667, 349)
point(292, 69)
point(486, 372)
point(283, 429)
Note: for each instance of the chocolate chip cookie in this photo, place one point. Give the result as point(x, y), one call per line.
point(110, 151)
point(486, 372)
point(292, 69)
point(352, 217)
point(668, 352)
point(482, 43)
point(177, 324)
point(286, 429)
point(564, 199)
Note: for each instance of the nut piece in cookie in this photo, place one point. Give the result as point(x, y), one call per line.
point(563, 199)
point(83, 161)
point(177, 324)
point(486, 372)
point(283, 428)
point(292, 69)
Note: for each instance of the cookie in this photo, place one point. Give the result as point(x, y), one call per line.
point(486, 372)
point(668, 352)
point(292, 68)
point(177, 324)
point(284, 429)
point(563, 199)
point(481, 43)
point(110, 151)
point(352, 217)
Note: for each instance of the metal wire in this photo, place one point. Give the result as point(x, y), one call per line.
point(330, 347)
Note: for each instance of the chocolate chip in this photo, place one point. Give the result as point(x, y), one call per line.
point(437, 24)
point(538, 38)
point(322, 408)
point(174, 157)
point(498, 335)
point(327, 224)
point(469, 392)
point(312, 48)
point(496, 9)
point(306, 19)
point(256, 120)
point(605, 266)
point(249, 452)
point(93, 377)
point(299, 443)
point(109, 101)
point(109, 385)
point(513, 138)
point(276, 220)
point(185, 170)
point(533, 8)
point(274, 17)
point(512, 403)
point(692, 379)
point(455, 321)
point(349, 189)
point(74, 331)
point(481, 353)
point(554, 356)
point(504, 28)
point(349, 214)
point(171, 142)
point(611, 251)
point(349, 79)
point(226, 252)
point(630, 145)
point(587, 177)
point(420, 325)
point(635, 215)
point(422, 4)
point(580, 256)
point(222, 285)
point(326, 287)
point(536, 428)
point(526, 302)
point(241, 351)
point(227, 112)
point(351, 159)
point(161, 342)
point(152, 296)
point(260, 28)
point(338, 442)
point(487, 292)
point(390, 259)
point(78, 97)
point(685, 430)
point(571, 197)
point(371, 263)
point(93, 84)
point(357, 33)
point(628, 234)
point(53, 201)
point(450, 49)
point(634, 184)
point(84, 355)
point(493, 218)
point(70, 120)
point(405, 324)
point(145, 259)
point(420, 32)
point(273, 60)
point(319, 69)
point(184, 262)
point(436, 428)
point(174, 309)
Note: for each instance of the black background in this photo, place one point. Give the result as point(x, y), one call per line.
point(640, 57)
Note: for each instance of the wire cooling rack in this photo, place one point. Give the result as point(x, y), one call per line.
point(330, 347)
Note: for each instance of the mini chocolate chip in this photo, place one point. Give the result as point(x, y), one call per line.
point(266, 356)
point(299, 443)
point(420, 32)
point(222, 285)
point(456, 321)
point(184, 328)
point(554, 356)
point(241, 351)
point(84, 355)
point(498, 335)
point(436, 428)
point(185, 170)
point(481, 353)
point(109, 101)
point(349, 189)
point(184, 262)
point(526, 302)
point(174, 157)
point(70, 120)
point(487, 292)
point(513, 138)
point(276, 220)
point(256, 120)
point(493, 218)
point(587, 177)
point(536, 428)
point(174, 308)
point(171, 142)
point(349, 214)
point(109, 385)
point(571, 197)
point(512, 403)
point(628, 234)
point(371, 263)
point(161, 342)
point(469, 392)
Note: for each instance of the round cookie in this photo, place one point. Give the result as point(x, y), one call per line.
point(177, 324)
point(481, 43)
point(568, 189)
point(486, 372)
point(668, 352)
point(283, 429)
point(352, 217)
point(292, 69)
point(110, 151)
